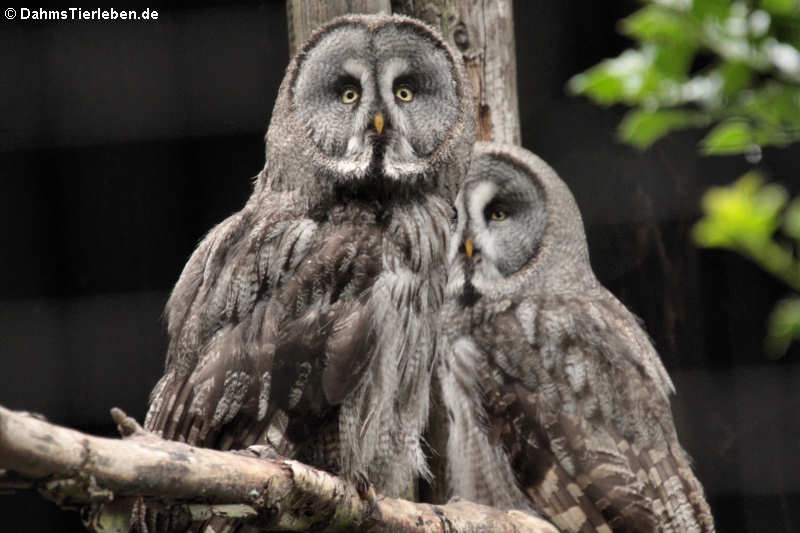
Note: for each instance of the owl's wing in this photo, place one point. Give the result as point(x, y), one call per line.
point(222, 318)
point(269, 330)
point(327, 342)
point(578, 397)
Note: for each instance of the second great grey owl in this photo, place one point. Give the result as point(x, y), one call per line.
point(305, 322)
point(557, 401)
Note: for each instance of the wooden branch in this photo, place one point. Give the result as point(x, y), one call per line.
point(73, 469)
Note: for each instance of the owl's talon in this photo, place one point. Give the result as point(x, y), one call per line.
point(259, 451)
point(366, 491)
point(129, 428)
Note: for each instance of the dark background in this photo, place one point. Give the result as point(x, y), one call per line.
point(122, 143)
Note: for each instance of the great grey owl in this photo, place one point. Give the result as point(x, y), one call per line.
point(557, 401)
point(305, 322)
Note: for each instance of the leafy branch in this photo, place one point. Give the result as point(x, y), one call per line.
point(702, 63)
point(732, 67)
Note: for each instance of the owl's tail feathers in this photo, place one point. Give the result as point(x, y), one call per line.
point(643, 488)
point(564, 502)
point(701, 510)
point(605, 480)
point(680, 501)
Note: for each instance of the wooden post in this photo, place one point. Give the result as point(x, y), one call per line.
point(304, 16)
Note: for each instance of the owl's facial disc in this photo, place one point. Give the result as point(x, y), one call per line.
point(502, 218)
point(376, 103)
point(414, 78)
point(477, 249)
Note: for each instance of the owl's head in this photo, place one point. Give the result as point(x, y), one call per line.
point(372, 97)
point(518, 226)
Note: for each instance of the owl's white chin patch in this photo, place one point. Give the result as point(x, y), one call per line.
point(400, 169)
point(485, 275)
point(354, 169)
point(356, 159)
point(400, 160)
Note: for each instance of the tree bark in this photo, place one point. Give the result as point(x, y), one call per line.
point(73, 468)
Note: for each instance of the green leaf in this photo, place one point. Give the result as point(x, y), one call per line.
point(708, 233)
point(783, 326)
point(780, 7)
point(642, 128)
point(656, 23)
point(710, 9)
point(742, 216)
point(597, 84)
point(619, 79)
point(772, 112)
point(791, 219)
point(673, 60)
point(730, 137)
point(777, 104)
point(736, 75)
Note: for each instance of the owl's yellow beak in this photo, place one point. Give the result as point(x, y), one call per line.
point(468, 247)
point(378, 122)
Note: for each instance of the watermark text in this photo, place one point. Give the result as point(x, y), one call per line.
point(80, 14)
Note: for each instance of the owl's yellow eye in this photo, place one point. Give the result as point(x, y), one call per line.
point(349, 95)
point(404, 94)
point(498, 214)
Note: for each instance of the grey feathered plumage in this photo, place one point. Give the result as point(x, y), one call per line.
point(305, 321)
point(557, 400)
